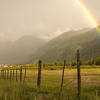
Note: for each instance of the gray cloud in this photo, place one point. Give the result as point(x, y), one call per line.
point(40, 17)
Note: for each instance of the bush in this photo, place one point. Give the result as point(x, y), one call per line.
point(91, 62)
point(98, 61)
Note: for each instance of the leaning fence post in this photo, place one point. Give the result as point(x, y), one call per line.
point(20, 73)
point(13, 74)
point(63, 76)
point(16, 74)
point(10, 75)
point(1, 74)
point(25, 74)
point(78, 75)
point(4, 73)
point(39, 74)
point(7, 74)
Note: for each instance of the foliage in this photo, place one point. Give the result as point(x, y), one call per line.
point(98, 61)
point(64, 47)
point(91, 62)
point(12, 90)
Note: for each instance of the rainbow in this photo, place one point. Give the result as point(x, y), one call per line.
point(89, 14)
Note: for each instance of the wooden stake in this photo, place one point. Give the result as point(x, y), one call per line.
point(16, 74)
point(21, 74)
point(25, 74)
point(10, 75)
point(62, 76)
point(78, 75)
point(1, 74)
point(7, 74)
point(39, 74)
point(13, 74)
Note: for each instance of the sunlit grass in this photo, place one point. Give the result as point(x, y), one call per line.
point(50, 85)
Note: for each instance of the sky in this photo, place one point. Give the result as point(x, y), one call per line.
point(44, 18)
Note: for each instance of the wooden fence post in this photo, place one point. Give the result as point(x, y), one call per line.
point(1, 74)
point(4, 74)
point(7, 74)
point(20, 73)
point(10, 75)
point(13, 74)
point(62, 76)
point(78, 75)
point(16, 74)
point(39, 74)
point(25, 74)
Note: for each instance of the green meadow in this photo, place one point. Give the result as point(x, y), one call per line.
point(50, 85)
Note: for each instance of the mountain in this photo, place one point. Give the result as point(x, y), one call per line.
point(19, 51)
point(65, 46)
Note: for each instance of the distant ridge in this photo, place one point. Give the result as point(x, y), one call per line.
point(64, 46)
point(19, 51)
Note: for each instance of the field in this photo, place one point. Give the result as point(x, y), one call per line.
point(50, 85)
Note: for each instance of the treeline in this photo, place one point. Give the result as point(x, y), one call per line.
point(92, 61)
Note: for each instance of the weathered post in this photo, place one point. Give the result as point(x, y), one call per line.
point(25, 74)
point(3, 73)
point(62, 76)
point(13, 74)
point(78, 75)
point(7, 74)
point(10, 75)
point(39, 74)
point(21, 73)
point(16, 74)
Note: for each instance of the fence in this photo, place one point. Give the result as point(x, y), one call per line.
point(20, 74)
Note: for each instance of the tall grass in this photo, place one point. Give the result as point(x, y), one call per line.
point(23, 91)
point(50, 87)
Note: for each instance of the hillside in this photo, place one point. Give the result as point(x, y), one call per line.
point(19, 51)
point(65, 46)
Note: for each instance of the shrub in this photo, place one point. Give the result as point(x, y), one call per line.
point(98, 61)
